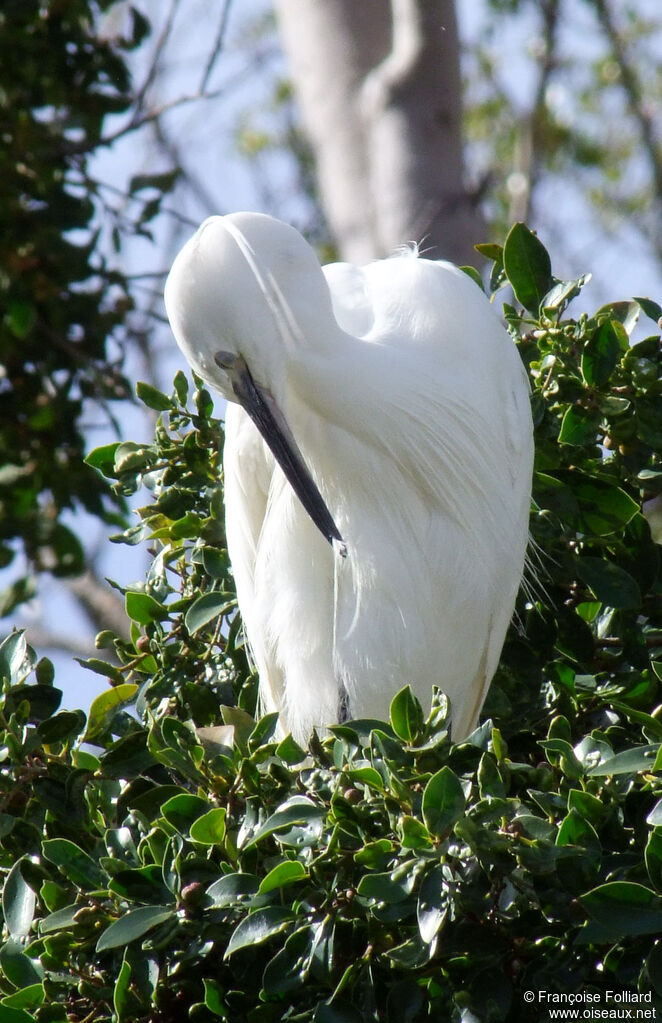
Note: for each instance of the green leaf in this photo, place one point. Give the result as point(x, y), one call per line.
point(161, 182)
point(143, 884)
point(471, 271)
point(432, 905)
point(214, 998)
point(30, 997)
point(491, 251)
point(105, 707)
point(20, 318)
point(258, 927)
point(443, 801)
point(10, 1015)
point(629, 761)
point(264, 730)
point(283, 874)
point(603, 507)
point(610, 583)
point(99, 667)
point(602, 353)
point(406, 715)
point(130, 456)
point(290, 751)
point(153, 398)
point(182, 810)
point(414, 834)
point(367, 776)
point(144, 609)
point(18, 902)
point(59, 920)
point(575, 830)
point(653, 857)
point(391, 887)
point(579, 426)
point(299, 810)
point(623, 908)
point(528, 266)
point(590, 807)
point(13, 652)
point(205, 609)
point(180, 383)
point(231, 890)
point(288, 969)
point(121, 990)
point(133, 925)
point(67, 725)
point(74, 863)
point(563, 292)
point(103, 459)
point(651, 309)
point(210, 828)
point(19, 969)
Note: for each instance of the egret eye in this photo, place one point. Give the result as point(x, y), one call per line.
point(225, 360)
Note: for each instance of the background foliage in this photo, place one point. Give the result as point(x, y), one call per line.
point(63, 308)
point(153, 869)
point(154, 864)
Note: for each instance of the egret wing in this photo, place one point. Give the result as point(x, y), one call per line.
point(248, 470)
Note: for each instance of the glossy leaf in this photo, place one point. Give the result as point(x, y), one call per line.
point(443, 801)
point(611, 584)
point(153, 398)
point(144, 609)
point(133, 925)
point(602, 352)
point(76, 865)
point(579, 426)
point(105, 706)
point(528, 267)
point(209, 829)
point(624, 908)
point(205, 609)
point(283, 874)
point(406, 715)
point(258, 927)
point(18, 903)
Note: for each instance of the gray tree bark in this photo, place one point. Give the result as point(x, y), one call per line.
point(379, 90)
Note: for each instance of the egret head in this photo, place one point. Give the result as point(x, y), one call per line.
point(249, 287)
point(244, 293)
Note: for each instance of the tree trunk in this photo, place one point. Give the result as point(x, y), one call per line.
point(379, 91)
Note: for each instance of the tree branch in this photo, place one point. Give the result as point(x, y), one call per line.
point(380, 98)
point(103, 607)
point(633, 92)
point(218, 45)
point(528, 156)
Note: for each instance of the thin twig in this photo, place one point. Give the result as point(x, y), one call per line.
point(532, 139)
point(218, 45)
point(633, 92)
point(154, 67)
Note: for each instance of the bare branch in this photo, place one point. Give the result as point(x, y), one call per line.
point(42, 638)
point(102, 605)
point(218, 45)
point(633, 91)
point(156, 59)
point(529, 150)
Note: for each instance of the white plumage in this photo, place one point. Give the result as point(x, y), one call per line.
point(405, 398)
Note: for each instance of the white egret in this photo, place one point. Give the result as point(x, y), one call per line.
point(378, 462)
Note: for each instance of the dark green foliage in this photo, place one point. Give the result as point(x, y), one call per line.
point(62, 307)
point(385, 874)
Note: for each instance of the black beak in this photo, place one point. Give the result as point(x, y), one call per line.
point(266, 415)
